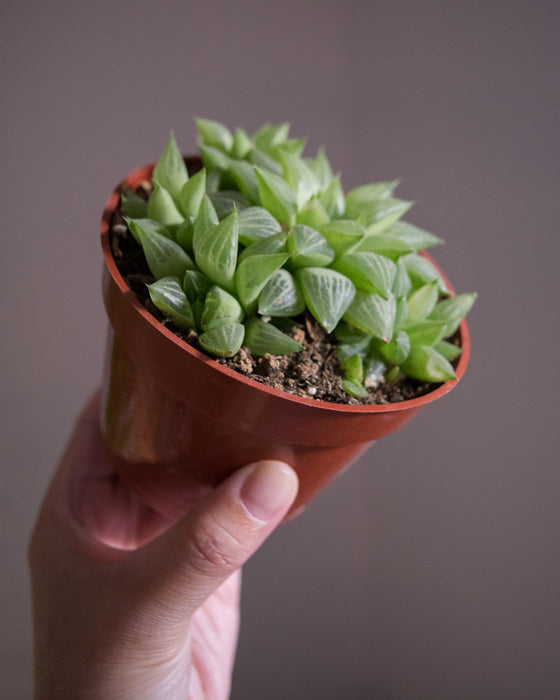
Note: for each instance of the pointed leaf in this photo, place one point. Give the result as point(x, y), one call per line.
point(360, 199)
point(252, 275)
point(137, 225)
point(184, 234)
point(373, 314)
point(215, 251)
point(214, 159)
point(220, 309)
point(277, 196)
point(170, 170)
point(265, 162)
point(383, 213)
point(415, 237)
point(420, 271)
point(271, 135)
point(196, 286)
point(396, 351)
point(353, 368)
point(309, 247)
point(256, 223)
point(327, 293)
point(333, 199)
point(169, 298)
point(421, 302)
point(223, 341)
point(214, 134)
point(402, 284)
point(262, 338)
point(133, 205)
point(313, 214)
point(384, 244)
point(342, 235)
point(245, 178)
point(368, 271)
point(321, 168)
point(452, 311)
point(205, 220)
point(162, 208)
point(425, 332)
point(225, 201)
point(165, 258)
point(449, 350)
point(300, 178)
point(277, 243)
point(241, 144)
point(354, 389)
point(281, 296)
point(427, 365)
point(192, 193)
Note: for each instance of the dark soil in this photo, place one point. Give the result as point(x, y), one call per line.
point(313, 372)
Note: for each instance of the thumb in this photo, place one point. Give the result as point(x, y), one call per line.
point(192, 559)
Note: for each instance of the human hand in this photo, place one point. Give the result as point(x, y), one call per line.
point(130, 605)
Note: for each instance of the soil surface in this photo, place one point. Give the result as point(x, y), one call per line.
point(313, 372)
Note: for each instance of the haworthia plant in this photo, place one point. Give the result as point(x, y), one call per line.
point(262, 234)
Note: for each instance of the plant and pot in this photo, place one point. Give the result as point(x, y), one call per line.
point(258, 311)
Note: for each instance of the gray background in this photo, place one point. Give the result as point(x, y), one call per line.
point(431, 569)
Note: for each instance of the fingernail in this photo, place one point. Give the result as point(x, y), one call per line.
point(267, 488)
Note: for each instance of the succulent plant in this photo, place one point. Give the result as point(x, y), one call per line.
point(261, 235)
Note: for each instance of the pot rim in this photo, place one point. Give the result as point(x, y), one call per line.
point(145, 173)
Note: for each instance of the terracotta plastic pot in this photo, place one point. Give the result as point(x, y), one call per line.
point(176, 422)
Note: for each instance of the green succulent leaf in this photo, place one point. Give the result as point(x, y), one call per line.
point(383, 213)
point(214, 158)
point(133, 205)
point(414, 237)
point(265, 162)
point(384, 244)
point(396, 351)
point(277, 243)
point(373, 314)
point(309, 247)
point(452, 311)
point(421, 302)
point(342, 235)
point(252, 275)
point(327, 293)
point(353, 368)
point(223, 341)
point(135, 226)
point(333, 199)
point(425, 332)
point(359, 201)
point(427, 365)
point(245, 178)
point(262, 338)
point(368, 271)
point(402, 312)
point(206, 219)
point(420, 271)
point(401, 284)
point(375, 367)
point(277, 196)
point(214, 134)
point(300, 178)
point(215, 251)
point(354, 389)
point(184, 234)
point(192, 193)
point(162, 208)
point(321, 168)
point(281, 296)
point(255, 224)
point(351, 341)
point(169, 298)
point(226, 201)
point(165, 258)
point(449, 350)
point(220, 309)
point(196, 286)
point(171, 171)
point(271, 135)
point(241, 144)
point(313, 214)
